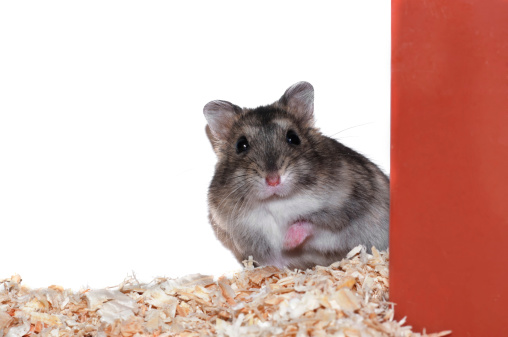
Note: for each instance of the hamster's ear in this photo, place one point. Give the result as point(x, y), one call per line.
point(212, 139)
point(220, 116)
point(299, 100)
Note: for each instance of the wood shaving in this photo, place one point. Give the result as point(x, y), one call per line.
point(348, 298)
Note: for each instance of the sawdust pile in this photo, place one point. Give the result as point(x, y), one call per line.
point(349, 298)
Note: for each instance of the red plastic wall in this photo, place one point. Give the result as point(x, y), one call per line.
point(449, 165)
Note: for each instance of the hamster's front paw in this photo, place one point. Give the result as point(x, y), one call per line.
point(297, 233)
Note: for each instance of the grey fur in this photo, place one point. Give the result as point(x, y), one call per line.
point(340, 192)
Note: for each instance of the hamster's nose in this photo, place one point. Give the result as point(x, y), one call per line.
point(273, 179)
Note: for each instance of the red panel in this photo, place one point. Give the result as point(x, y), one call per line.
point(449, 168)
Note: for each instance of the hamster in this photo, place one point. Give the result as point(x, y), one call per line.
point(284, 193)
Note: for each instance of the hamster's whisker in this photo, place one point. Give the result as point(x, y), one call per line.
point(228, 220)
point(243, 203)
point(232, 213)
point(351, 127)
point(239, 185)
point(339, 138)
point(220, 204)
point(243, 175)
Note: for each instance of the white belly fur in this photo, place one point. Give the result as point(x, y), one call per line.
point(273, 218)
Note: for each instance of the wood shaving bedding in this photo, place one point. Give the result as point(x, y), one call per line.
point(347, 299)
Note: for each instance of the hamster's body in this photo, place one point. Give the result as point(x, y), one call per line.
point(284, 193)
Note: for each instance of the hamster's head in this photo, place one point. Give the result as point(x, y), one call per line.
point(266, 152)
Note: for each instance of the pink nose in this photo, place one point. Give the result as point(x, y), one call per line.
point(273, 179)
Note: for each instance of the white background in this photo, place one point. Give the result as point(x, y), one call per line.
point(104, 162)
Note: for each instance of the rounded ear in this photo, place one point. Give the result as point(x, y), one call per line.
point(212, 139)
point(299, 100)
point(220, 116)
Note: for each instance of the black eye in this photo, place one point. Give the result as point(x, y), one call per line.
point(242, 145)
point(292, 138)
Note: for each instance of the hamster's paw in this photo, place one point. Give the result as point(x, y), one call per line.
point(297, 233)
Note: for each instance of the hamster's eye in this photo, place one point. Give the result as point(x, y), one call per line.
point(292, 138)
point(242, 145)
